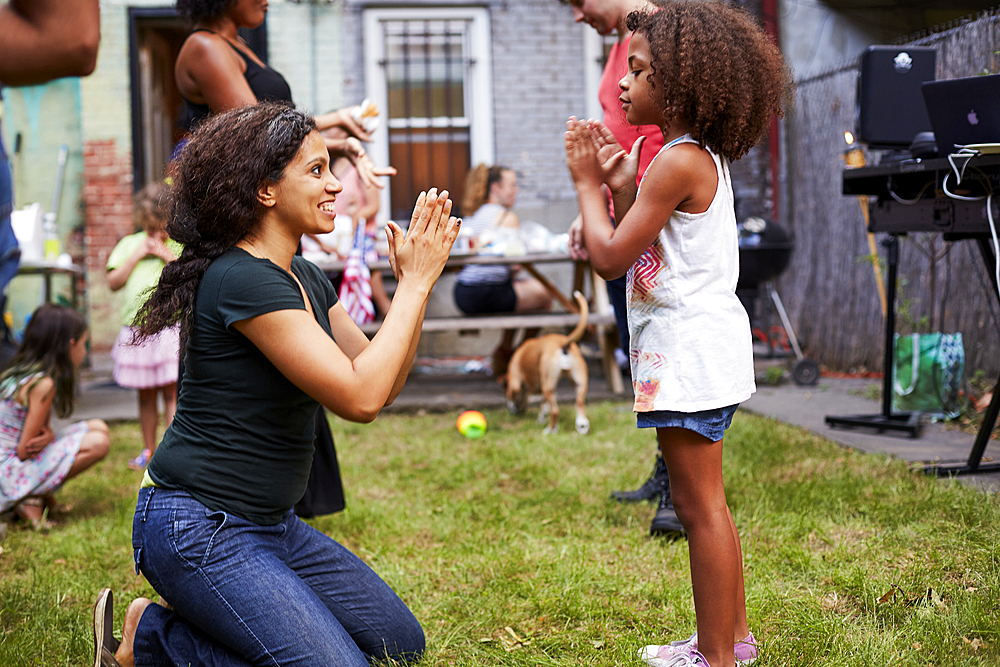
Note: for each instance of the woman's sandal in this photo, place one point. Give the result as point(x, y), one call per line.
point(105, 643)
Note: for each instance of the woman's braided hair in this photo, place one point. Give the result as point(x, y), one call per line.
point(716, 70)
point(214, 199)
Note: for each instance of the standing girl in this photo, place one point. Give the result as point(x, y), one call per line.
point(35, 462)
point(150, 365)
point(712, 80)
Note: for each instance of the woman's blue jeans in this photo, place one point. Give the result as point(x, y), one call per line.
point(246, 594)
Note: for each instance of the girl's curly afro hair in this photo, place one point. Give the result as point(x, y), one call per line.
point(716, 70)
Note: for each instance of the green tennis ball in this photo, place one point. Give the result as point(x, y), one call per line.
point(471, 424)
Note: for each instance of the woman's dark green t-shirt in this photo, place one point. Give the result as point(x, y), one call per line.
point(242, 438)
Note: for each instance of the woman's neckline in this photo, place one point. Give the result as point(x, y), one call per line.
point(267, 259)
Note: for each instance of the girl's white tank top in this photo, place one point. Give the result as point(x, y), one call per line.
point(690, 335)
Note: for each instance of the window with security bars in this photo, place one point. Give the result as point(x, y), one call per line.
point(430, 78)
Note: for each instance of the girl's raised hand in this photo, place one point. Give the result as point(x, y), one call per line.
point(619, 168)
point(581, 154)
point(423, 252)
point(156, 247)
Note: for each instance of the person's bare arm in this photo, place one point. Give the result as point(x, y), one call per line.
point(683, 179)
point(351, 148)
point(41, 40)
point(357, 388)
point(352, 341)
point(343, 119)
point(208, 72)
point(369, 209)
point(35, 433)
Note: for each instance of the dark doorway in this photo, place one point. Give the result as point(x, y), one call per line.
point(155, 37)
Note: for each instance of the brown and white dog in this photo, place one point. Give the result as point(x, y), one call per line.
point(536, 367)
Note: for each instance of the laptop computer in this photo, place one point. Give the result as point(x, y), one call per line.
point(963, 112)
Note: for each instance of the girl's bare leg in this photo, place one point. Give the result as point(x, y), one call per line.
point(696, 486)
point(169, 393)
point(93, 448)
point(148, 417)
point(742, 625)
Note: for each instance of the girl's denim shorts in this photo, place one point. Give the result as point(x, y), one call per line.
point(710, 423)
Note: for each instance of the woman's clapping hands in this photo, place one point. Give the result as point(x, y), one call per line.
point(423, 251)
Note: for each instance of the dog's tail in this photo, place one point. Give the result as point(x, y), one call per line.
point(581, 326)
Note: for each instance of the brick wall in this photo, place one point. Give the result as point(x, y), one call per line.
point(107, 166)
point(538, 83)
point(107, 195)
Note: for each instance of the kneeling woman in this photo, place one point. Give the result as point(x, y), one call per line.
point(266, 345)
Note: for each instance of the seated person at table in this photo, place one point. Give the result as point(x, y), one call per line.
point(490, 193)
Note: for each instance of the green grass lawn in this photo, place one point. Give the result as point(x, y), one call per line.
point(510, 552)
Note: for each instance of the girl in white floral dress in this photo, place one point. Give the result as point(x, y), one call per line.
point(34, 461)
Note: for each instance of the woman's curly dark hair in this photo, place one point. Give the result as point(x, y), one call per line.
point(214, 199)
point(716, 70)
point(200, 10)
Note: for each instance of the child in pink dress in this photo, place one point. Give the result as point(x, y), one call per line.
point(150, 367)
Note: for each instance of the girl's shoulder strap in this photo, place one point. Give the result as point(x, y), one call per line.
point(683, 139)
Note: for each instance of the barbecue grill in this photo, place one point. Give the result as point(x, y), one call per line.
point(765, 251)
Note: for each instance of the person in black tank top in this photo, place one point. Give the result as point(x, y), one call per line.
point(211, 80)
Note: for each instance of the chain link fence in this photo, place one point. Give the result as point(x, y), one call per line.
point(830, 288)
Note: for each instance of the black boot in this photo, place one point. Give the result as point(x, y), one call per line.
point(665, 521)
point(650, 489)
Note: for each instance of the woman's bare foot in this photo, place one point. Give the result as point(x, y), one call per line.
point(124, 654)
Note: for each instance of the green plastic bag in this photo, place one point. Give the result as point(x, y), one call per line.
point(927, 372)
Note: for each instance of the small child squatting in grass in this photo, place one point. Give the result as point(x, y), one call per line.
point(34, 461)
point(710, 78)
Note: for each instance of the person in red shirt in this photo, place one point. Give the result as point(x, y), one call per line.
point(607, 17)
